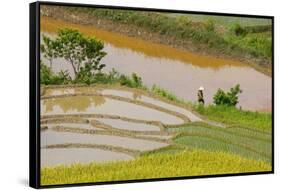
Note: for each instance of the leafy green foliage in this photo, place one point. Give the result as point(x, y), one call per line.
point(256, 43)
point(85, 76)
point(47, 77)
point(135, 81)
point(48, 49)
point(227, 98)
point(238, 30)
point(45, 74)
point(83, 53)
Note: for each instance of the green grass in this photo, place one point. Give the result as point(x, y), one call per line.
point(187, 163)
point(239, 118)
point(256, 43)
point(213, 138)
point(226, 21)
point(200, 29)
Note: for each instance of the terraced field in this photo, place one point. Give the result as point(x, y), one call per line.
point(99, 124)
point(88, 133)
point(82, 124)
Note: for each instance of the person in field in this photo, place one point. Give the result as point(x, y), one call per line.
point(200, 95)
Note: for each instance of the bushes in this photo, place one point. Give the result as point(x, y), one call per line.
point(227, 98)
point(84, 76)
point(48, 77)
point(238, 30)
point(134, 81)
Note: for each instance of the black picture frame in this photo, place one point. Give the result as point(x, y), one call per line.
point(34, 93)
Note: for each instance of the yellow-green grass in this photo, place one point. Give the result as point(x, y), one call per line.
point(186, 163)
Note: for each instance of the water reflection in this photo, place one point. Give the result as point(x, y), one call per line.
point(101, 105)
point(147, 48)
point(178, 71)
point(73, 104)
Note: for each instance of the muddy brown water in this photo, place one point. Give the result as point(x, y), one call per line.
point(178, 71)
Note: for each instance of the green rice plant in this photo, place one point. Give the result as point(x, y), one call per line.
point(261, 146)
point(235, 117)
point(186, 163)
point(252, 133)
point(214, 144)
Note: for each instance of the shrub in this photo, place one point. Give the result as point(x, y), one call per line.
point(134, 81)
point(45, 74)
point(227, 98)
point(48, 77)
point(209, 25)
point(238, 30)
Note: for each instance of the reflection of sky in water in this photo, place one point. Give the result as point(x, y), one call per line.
point(183, 79)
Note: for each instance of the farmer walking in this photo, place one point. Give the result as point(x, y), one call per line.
point(200, 95)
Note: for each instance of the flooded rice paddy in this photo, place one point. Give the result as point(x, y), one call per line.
point(173, 69)
point(67, 156)
point(178, 71)
point(120, 124)
point(86, 121)
point(101, 105)
point(51, 137)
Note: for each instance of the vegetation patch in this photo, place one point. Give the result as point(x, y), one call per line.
point(238, 118)
point(214, 138)
point(186, 163)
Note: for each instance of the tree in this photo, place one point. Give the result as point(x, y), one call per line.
point(227, 98)
point(83, 53)
point(48, 49)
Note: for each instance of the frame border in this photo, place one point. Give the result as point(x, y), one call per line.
point(34, 94)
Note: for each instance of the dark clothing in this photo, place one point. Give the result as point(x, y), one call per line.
point(200, 96)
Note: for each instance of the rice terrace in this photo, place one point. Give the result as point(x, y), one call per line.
point(128, 95)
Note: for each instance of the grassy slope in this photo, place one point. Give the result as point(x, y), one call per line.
point(237, 118)
point(256, 43)
point(227, 21)
point(187, 163)
point(199, 29)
